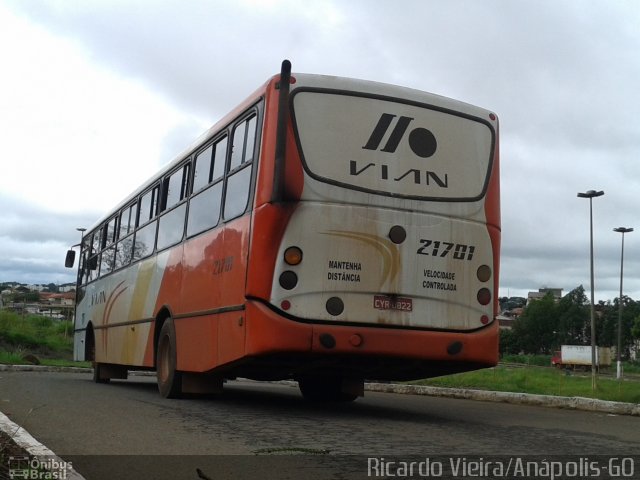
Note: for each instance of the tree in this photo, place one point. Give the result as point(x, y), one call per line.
point(607, 324)
point(545, 324)
point(573, 318)
point(509, 344)
point(535, 330)
point(635, 330)
point(21, 297)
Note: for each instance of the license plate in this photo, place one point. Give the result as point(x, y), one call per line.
point(383, 302)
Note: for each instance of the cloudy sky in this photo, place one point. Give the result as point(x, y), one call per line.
point(95, 96)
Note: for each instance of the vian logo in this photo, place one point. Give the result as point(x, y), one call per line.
point(421, 141)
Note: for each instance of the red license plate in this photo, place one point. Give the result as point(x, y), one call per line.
point(383, 302)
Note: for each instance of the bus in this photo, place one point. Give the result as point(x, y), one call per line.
point(327, 230)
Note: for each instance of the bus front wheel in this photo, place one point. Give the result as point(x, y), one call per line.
point(98, 374)
point(169, 379)
point(90, 354)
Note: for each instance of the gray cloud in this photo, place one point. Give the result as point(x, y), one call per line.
point(34, 241)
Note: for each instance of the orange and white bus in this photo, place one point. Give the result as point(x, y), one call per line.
point(327, 230)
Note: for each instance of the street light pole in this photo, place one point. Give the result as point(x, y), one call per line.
point(621, 230)
point(591, 194)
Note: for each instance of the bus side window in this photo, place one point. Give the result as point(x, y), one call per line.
point(124, 222)
point(145, 241)
point(82, 270)
point(171, 226)
point(124, 252)
point(171, 221)
point(122, 255)
point(204, 210)
point(110, 231)
point(176, 187)
point(107, 258)
point(124, 248)
point(239, 179)
point(250, 142)
point(204, 206)
point(95, 245)
point(84, 260)
point(244, 138)
point(127, 220)
point(219, 157)
point(202, 169)
point(145, 208)
point(148, 206)
point(94, 255)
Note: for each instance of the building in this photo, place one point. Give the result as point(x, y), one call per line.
point(555, 292)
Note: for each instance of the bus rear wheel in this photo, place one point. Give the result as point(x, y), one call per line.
point(169, 379)
point(324, 389)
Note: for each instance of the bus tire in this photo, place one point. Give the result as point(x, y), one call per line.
point(324, 389)
point(169, 379)
point(98, 376)
point(90, 354)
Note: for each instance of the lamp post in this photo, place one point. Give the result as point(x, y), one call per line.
point(591, 194)
point(621, 230)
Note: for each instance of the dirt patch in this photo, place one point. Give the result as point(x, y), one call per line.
point(8, 449)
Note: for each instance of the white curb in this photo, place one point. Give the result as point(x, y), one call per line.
point(574, 403)
point(37, 450)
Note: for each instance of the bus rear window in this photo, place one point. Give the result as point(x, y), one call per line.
point(393, 148)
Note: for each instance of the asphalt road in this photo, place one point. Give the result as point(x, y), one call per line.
point(261, 430)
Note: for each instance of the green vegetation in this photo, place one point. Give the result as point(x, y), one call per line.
point(50, 341)
point(538, 380)
point(37, 335)
point(537, 360)
point(631, 367)
point(10, 358)
point(547, 323)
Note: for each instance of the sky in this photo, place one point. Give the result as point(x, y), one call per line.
point(96, 96)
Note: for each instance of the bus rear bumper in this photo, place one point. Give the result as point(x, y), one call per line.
point(378, 352)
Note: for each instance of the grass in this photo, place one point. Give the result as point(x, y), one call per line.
point(10, 358)
point(51, 341)
point(543, 381)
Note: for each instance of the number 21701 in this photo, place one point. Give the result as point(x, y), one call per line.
point(436, 248)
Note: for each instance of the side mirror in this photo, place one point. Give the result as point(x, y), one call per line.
point(70, 259)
